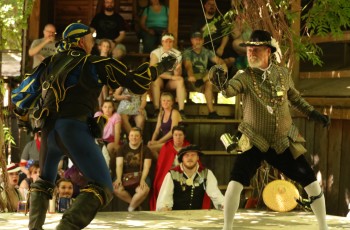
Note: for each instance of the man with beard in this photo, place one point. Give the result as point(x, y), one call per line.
point(196, 60)
point(109, 24)
point(189, 185)
point(211, 24)
point(267, 129)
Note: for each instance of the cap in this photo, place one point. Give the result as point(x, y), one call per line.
point(188, 148)
point(168, 36)
point(197, 35)
point(260, 38)
point(13, 167)
point(76, 30)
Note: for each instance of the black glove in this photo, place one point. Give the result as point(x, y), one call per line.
point(198, 83)
point(218, 77)
point(166, 64)
point(317, 116)
point(22, 118)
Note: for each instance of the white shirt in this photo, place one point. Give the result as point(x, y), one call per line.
point(165, 197)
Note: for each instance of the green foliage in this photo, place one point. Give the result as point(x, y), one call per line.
point(327, 16)
point(13, 19)
point(318, 18)
point(7, 135)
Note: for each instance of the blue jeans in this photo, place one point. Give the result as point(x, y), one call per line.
point(73, 138)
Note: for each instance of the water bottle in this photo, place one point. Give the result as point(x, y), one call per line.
point(141, 47)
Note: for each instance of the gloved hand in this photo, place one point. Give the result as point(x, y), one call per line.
point(317, 116)
point(218, 77)
point(166, 64)
point(22, 118)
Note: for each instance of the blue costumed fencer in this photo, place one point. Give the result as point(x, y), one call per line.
point(62, 93)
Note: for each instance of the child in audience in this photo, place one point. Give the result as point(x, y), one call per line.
point(105, 48)
point(34, 172)
point(10, 193)
point(112, 127)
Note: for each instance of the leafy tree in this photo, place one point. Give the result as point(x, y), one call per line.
point(318, 18)
point(13, 19)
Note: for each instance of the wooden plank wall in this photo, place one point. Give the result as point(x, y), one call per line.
point(328, 153)
point(67, 12)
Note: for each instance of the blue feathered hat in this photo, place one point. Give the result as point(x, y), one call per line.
point(72, 34)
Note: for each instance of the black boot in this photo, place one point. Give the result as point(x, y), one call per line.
point(84, 208)
point(39, 195)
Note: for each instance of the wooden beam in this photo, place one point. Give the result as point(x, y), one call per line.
point(324, 101)
point(174, 19)
point(296, 7)
point(345, 37)
point(34, 22)
point(326, 74)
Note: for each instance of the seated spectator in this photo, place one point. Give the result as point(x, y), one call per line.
point(167, 119)
point(213, 23)
point(34, 172)
point(130, 158)
point(154, 22)
point(112, 128)
point(109, 24)
point(63, 189)
point(9, 192)
point(43, 47)
point(119, 52)
point(167, 159)
point(105, 48)
point(30, 152)
point(188, 185)
point(138, 7)
point(195, 60)
point(131, 106)
point(168, 80)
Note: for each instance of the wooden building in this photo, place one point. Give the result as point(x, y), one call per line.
point(326, 87)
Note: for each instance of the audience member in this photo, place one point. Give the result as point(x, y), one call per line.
point(9, 189)
point(131, 106)
point(189, 185)
point(154, 22)
point(105, 48)
point(34, 172)
point(131, 157)
point(109, 24)
point(195, 60)
point(171, 80)
point(167, 159)
point(138, 7)
point(217, 38)
point(112, 127)
point(43, 47)
point(30, 152)
point(63, 194)
point(119, 52)
point(167, 119)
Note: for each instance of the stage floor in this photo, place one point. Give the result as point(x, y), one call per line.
point(199, 219)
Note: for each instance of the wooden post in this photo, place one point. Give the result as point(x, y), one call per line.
point(296, 7)
point(174, 19)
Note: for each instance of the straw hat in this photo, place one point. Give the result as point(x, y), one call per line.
point(280, 195)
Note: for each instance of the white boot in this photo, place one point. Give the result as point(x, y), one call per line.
point(232, 198)
point(318, 206)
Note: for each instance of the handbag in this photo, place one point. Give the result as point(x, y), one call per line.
point(132, 180)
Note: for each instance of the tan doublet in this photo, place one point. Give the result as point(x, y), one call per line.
point(267, 97)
